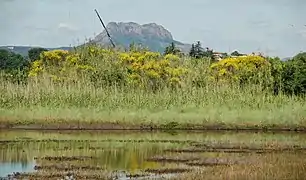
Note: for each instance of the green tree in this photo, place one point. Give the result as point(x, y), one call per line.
point(288, 76)
point(34, 53)
point(196, 50)
point(209, 53)
point(133, 47)
point(192, 51)
point(199, 51)
point(10, 60)
point(277, 68)
point(295, 75)
point(14, 67)
point(236, 53)
point(172, 49)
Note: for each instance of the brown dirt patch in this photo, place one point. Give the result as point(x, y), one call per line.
point(66, 167)
point(172, 159)
point(95, 141)
point(168, 170)
point(216, 162)
point(58, 124)
point(202, 150)
point(287, 166)
point(65, 158)
point(60, 175)
point(244, 147)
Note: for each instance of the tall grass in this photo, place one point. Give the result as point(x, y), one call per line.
point(209, 103)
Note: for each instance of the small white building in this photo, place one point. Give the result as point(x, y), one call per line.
point(218, 56)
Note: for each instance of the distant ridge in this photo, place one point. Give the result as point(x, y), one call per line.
point(286, 59)
point(23, 50)
point(151, 35)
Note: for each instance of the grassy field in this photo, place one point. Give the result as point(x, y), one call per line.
point(201, 107)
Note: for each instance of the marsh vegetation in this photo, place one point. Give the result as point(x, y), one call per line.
point(95, 88)
point(180, 155)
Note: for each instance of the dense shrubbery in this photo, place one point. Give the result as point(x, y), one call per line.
point(105, 67)
point(59, 66)
point(254, 69)
point(144, 69)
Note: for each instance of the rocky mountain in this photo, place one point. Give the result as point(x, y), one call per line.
point(151, 35)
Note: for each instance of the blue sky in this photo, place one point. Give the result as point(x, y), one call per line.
point(244, 25)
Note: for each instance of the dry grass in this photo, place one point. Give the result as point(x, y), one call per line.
point(271, 166)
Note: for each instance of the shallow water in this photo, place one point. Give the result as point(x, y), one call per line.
point(10, 167)
point(131, 152)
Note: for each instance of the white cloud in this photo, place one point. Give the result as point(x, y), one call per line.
point(67, 27)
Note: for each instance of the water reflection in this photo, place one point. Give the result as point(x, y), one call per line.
point(110, 150)
point(119, 156)
point(11, 167)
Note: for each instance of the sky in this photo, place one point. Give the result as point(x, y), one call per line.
point(274, 27)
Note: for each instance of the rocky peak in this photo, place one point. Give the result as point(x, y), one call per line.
point(157, 30)
point(151, 30)
point(152, 35)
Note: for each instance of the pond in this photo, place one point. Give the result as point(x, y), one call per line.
point(127, 154)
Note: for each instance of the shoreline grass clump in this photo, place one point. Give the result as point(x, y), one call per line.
point(95, 87)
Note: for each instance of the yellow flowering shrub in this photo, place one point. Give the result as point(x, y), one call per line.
point(152, 67)
point(90, 52)
point(37, 67)
point(106, 67)
point(58, 65)
point(240, 68)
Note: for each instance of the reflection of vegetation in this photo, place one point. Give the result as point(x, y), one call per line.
point(15, 156)
point(121, 156)
point(116, 153)
point(129, 150)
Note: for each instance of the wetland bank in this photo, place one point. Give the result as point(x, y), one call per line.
point(92, 87)
point(159, 155)
point(117, 93)
point(154, 113)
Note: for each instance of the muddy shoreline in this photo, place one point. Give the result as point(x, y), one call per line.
point(147, 127)
point(56, 158)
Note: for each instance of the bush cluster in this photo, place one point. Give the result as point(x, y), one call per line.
point(105, 67)
point(242, 69)
point(151, 70)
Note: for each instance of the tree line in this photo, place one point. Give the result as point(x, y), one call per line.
point(288, 76)
point(197, 51)
point(15, 67)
